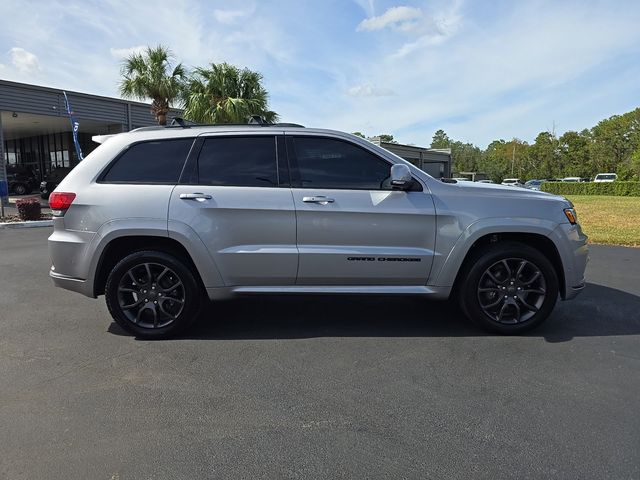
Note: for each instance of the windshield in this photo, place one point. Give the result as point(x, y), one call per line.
point(609, 176)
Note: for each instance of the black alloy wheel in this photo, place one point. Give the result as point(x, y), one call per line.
point(153, 294)
point(509, 288)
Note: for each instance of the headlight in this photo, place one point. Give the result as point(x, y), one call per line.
point(571, 215)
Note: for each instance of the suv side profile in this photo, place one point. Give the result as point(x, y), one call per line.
point(162, 220)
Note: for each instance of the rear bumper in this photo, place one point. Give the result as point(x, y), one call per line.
point(70, 252)
point(70, 283)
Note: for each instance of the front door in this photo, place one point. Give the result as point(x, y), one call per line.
point(352, 228)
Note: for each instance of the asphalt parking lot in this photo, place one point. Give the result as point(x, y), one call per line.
point(318, 387)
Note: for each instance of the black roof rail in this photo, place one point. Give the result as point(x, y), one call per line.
point(286, 125)
point(179, 121)
point(254, 120)
point(144, 129)
point(257, 120)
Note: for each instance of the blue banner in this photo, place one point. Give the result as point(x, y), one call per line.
point(74, 126)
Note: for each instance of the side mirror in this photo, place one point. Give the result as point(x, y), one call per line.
point(401, 177)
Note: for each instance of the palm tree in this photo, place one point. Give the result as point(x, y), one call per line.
point(223, 93)
point(149, 75)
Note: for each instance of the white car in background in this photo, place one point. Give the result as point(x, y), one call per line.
point(534, 184)
point(605, 177)
point(513, 182)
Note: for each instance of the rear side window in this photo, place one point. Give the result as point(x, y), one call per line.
point(239, 162)
point(158, 161)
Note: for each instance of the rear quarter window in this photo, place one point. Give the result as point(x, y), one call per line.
point(158, 161)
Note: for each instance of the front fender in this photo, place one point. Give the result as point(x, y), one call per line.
point(446, 265)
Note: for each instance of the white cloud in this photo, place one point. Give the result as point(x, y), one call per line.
point(368, 90)
point(24, 61)
point(122, 53)
point(230, 16)
point(402, 18)
point(425, 28)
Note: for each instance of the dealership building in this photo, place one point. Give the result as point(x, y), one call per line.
point(35, 130)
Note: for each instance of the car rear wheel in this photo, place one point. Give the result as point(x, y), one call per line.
point(508, 288)
point(19, 189)
point(153, 294)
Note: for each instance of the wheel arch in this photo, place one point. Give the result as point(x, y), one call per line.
point(120, 247)
point(476, 236)
point(540, 242)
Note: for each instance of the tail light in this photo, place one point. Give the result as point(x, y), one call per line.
point(59, 202)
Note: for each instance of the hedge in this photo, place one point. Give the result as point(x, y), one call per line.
point(620, 189)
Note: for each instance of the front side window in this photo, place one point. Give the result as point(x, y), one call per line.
point(329, 163)
point(239, 162)
point(158, 161)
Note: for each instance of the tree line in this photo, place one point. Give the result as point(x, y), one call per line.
point(613, 145)
point(216, 93)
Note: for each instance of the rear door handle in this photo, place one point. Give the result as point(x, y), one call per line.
point(319, 199)
point(195, 196)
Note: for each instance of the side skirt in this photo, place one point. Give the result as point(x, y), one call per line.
point(439, 293)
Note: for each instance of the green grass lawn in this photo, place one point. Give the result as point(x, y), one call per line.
point(609, 220)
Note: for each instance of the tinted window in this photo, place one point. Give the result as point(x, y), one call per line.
point(151, 162)
point(328, 163)
point(238, 161)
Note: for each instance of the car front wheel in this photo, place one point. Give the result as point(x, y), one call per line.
point(508, 288)
point(153, 294)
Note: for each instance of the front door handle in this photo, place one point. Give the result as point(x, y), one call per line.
point(319, 199)
point(195, 196)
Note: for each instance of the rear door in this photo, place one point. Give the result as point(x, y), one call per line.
point(352, 228)
point(235, 195)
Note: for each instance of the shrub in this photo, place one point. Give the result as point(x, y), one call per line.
point(620, 189)
point(29, 208)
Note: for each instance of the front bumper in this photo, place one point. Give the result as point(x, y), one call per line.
point(574, 253)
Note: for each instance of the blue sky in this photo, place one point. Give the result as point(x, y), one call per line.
point(481, 70)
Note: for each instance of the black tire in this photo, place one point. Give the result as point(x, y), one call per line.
point(508, 288)
point(153, 295)
point(19, 189)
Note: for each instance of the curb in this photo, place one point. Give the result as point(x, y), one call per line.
point(27, 224)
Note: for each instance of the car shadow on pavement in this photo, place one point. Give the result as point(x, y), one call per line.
point(598, 311)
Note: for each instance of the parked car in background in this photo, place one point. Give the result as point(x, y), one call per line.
point(571, 179)
point(605, 177)
point(513, 182)
point(21, 179)
point(534, 184)
point(485, 181)
point(52, 180)
point(461, 179)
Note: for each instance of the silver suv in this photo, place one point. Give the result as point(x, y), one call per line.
point(162, 219)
